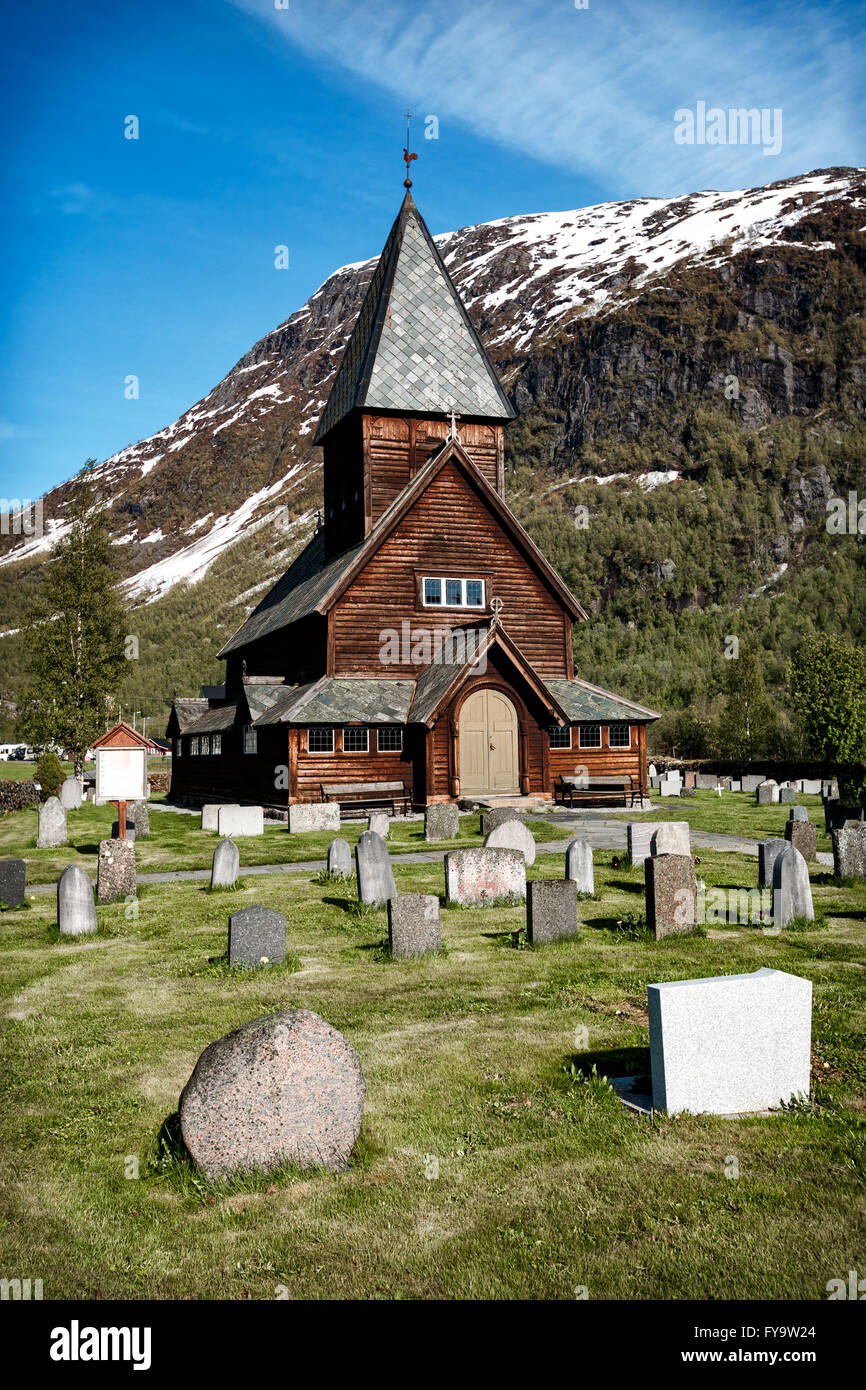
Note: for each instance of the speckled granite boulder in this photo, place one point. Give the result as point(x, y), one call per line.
point(285, 1088)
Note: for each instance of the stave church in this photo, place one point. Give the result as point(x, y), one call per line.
point(419, 649)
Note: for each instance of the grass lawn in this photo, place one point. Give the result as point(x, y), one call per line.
point(492, 1163)
point(737, 813)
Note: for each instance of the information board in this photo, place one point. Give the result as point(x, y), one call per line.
point(121, 774)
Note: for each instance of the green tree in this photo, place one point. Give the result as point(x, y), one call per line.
point(827, 679)
point(747, 722)
point(76, 631)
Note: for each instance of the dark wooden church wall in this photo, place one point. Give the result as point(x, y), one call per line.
point(248, 778)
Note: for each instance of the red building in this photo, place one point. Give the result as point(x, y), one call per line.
point(421, 638)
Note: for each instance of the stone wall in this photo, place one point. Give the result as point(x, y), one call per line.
point(17, 796)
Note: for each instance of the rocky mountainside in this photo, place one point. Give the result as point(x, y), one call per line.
point(619, 330)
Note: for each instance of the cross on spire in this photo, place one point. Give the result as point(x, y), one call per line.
point(407, 157)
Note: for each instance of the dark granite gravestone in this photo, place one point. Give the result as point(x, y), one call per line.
point(803, 835)
point(13, 876)
point(413, 924)
point(671, 894)
point(441, 822)
point(226, 865)
point(115, 871)
point(340, 858)
point(551, 910)
point(257, 936)
point(768, 853)
point(283, 1089)
point(373, 867)
point(76, 913)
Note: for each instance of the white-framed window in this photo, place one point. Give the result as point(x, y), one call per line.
point(453, 593)
point(216, 744)
point(251, 739)
point(560, 735)
point(590, 736)
point(390, 739)
point(194, 745)
point(205, 745)
point(619, 735)
point(356, 740)
point(320, 740)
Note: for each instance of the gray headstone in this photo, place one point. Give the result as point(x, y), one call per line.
point(76, 913)
point(810, 786)
point(706, 781)
point(286, 1088)
point(373, 867)
point(140, 817)
point(671, 894)
point(115, 871)
point(340, 858)
point(257, 937)
point(732, 1044)
point(803, 835)
point(671, 838)
point(498, 816)
point(551, 910)
point(210, 816)
point(13, 876)
point(725, 784)
point(787, 796)
point(830, 790)
point(52, 825)
point(752, 780)
point(305, 816)
point(441, 821)
point(240, 820)
point(798, 813)
point(413, 924)
point(578, 865)
point(477, 877)
point(792, 891)
point(669, 786)
point(513, 834)
point(70, 794)
point(767, 794)
point(639, 836)
point(735, 785)
point(226, 865)
point(379, 823)
point(768, 853)
point(849, 850)
point(130, 830)
point(652, 771)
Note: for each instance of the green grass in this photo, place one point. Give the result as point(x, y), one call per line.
point(473, 1066)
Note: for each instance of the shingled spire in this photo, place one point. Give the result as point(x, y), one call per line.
point(414, 349)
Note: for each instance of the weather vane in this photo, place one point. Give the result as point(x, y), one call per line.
point(407, 157)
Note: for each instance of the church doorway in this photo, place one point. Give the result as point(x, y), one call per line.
point(488, 744)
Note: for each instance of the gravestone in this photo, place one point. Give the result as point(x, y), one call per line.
point(551, 910)
point(751, 781)
point(513, 834)
point(669, 786)
point(210, 817)
point(691, 779)
point(226, 865)
point(52, 825)
point(140, 817)
point(706, 781)
point(13, 876)
point(76, 913)
point(792, 891)
point(286, 1088)
point(787, 796)
point(653, 771)
point(70, 794)
point(441, 821)
point(477, 877)
point(849, 850)
point(578, 865)
point(373, 867)
point(725, 784)
point(671, 894)
point(413, 924)
point(689, 791)
point(830, 790)
point(130, 830)
point(498, 816)
point(810, 786)
point(735, 785)
point(378, 823)
point(240, 820)
point(730, 1044)
point(339, 858)
point(671, 838)
point(803, 835)
point(257, 936)
point(768, 853)
point(767, 794)
point(639, 835)
point(655, 782)
point(798, 813)
point(313, 815)
point(115, 871)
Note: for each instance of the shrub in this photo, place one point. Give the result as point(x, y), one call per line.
point(49, 774)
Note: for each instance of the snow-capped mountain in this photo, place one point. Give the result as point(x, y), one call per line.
point(242, 457)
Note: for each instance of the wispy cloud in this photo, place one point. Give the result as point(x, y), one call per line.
point(73, 198)
point(595, 90)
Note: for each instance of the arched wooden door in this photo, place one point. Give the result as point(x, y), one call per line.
point(488, 744)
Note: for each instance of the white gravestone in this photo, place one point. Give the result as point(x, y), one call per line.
point(234, 821)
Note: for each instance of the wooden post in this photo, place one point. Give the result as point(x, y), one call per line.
point(121, 818)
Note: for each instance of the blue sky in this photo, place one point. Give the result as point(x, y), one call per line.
point(262, 126)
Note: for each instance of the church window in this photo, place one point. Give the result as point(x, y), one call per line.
point(459, 593)
point(619, 736)
point(355, 740)
point(251, 741)
point(590, 735)
point(560, 736)
point(216, 744)
point(320, 740)
point(390, 739)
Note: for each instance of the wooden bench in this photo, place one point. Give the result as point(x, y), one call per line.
point(353, 796)
point(613, 784)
